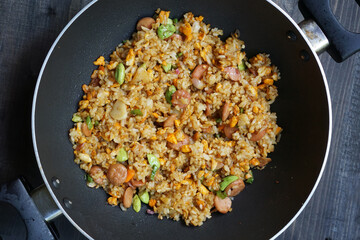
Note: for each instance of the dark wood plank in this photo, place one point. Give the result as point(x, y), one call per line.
point(27, 30)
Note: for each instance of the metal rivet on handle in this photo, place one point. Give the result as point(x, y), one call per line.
point(67, 202)
point(304, 55)
point(291, 35)
point(55, 182)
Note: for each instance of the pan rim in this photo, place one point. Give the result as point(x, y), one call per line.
point(33, 120)
point(74, 19)
point(330, 118)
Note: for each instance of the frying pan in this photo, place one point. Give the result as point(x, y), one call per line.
point(279, 192)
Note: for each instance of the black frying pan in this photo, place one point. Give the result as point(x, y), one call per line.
point(303, 107)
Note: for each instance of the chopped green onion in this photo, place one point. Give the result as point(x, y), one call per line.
point(216, 135)
point(144, 197)
point(136, 203)
point(218, 120)
point(120, 73)
point(221, 194)
point(241, 66)
point(153, 172)
point(241, 110)
point(89, 123)
point(96, 123)
point(250, 180)
point(227, 180)
point(136, 112)
point(76, 118)
point(154, 163)
point(165, 31)
point(124, 41)
point(179, 54)
point(166, 67)
point(153, 160)
point(169, 93)
point(175, 21)
point(89, 178)
point(122, 155)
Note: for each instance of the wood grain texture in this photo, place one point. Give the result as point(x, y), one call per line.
point(27, 30)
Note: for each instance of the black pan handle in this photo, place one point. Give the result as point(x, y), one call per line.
point(343, 43)
point(20, 217)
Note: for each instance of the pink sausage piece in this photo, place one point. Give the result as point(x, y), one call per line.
point(96, 174)
point(181, 98)
point(128, 196)
point(256, 136)
point(234, 73)
point(177, 146)
point(145, 22)
point(117, 174)
point(222, 205)
point(199, 71)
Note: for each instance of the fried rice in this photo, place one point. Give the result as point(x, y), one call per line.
point(176, 118)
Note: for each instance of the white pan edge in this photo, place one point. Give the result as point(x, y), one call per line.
point(42, 71)
point(330, 119)
point(33, 119)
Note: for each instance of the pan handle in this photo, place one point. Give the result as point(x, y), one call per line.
point(343, 43)
point(45, 203)
point(15, 196)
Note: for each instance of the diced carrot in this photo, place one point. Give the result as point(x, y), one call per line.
point(269, 81)
point(112, 201)
point(175, 81)
point(254, 162)
point(210, 181)
point(100, 61)
point(171, 138)
point(261, 86)
point(177, 123)
point(185, 149)
point(164, 15)
point(117, 125)
point(233, 121)
point(130, 174)
point(162, 161)
point(152, 202)
point(101, 68)
point(143, 120)
point(85, 88)
point(199, 18)
point(186, 30)
point(201, 174)
point(203, 190)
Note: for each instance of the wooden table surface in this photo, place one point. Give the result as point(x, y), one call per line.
point(28, 29)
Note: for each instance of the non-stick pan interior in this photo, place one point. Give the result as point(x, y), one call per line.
point(277, 193)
